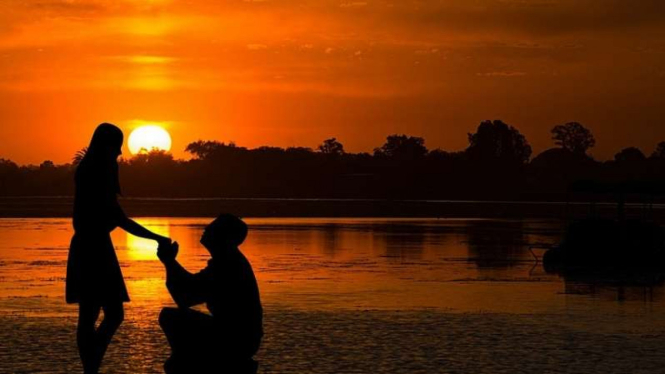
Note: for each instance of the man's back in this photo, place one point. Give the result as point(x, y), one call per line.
point(233, 298)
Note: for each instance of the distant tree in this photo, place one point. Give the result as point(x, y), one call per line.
point(205, 149)
point(78, 156)
point(299, 150)
point(331, 147)
point(438, 154)
point(557, 168)
point(659, 152)
point(7, 166)
point(495, 140)
point(492, 167)
point(265, 149)
point(630, 155)
point(573, 137)
point(402, 147)
point(155, 157)
point(48, 164)
point(560, 158)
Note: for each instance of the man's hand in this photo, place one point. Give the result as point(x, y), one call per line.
point(167, 252)
point(163, 241)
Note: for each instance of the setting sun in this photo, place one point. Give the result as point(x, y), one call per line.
point(147, 138)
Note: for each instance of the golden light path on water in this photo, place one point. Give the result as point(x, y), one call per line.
point(140, 249)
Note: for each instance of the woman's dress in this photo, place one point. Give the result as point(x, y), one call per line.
point(93, 271)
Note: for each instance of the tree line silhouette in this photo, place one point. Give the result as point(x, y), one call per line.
point(497, 164)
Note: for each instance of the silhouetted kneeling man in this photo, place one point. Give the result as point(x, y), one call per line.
point(227, 340)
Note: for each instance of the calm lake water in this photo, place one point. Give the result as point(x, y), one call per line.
point(350, 296)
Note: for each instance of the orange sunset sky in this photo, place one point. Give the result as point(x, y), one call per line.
point(294, 72)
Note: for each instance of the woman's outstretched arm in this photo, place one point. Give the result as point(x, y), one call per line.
point(135, 229)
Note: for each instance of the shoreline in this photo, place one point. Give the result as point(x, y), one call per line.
point(40, 207)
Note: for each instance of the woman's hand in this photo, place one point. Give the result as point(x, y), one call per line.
point(134, 228)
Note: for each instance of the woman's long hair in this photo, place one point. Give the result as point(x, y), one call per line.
point(100, 160)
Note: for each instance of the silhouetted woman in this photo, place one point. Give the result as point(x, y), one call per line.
point(94, 279)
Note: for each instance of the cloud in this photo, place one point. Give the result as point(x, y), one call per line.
point(353, 4)
point(502, 74)
point(547, 17)
point(170, 45)
point(67, 6)
point(256, 47)
point(144, 59)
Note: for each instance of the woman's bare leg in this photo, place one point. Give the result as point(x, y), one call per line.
point(93, 342)
point(113, 317)
point(86, 337)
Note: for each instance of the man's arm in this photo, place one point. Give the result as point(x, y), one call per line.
point(186, 289)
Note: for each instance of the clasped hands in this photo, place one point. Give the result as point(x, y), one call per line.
point(167, 250)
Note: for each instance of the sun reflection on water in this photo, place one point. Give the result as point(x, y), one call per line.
point(140, 249)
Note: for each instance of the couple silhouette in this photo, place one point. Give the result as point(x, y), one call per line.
point(223, 342)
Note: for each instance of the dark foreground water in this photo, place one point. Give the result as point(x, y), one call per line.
point(351, 296)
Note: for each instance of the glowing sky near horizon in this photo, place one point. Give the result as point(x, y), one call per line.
point(296, 72)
